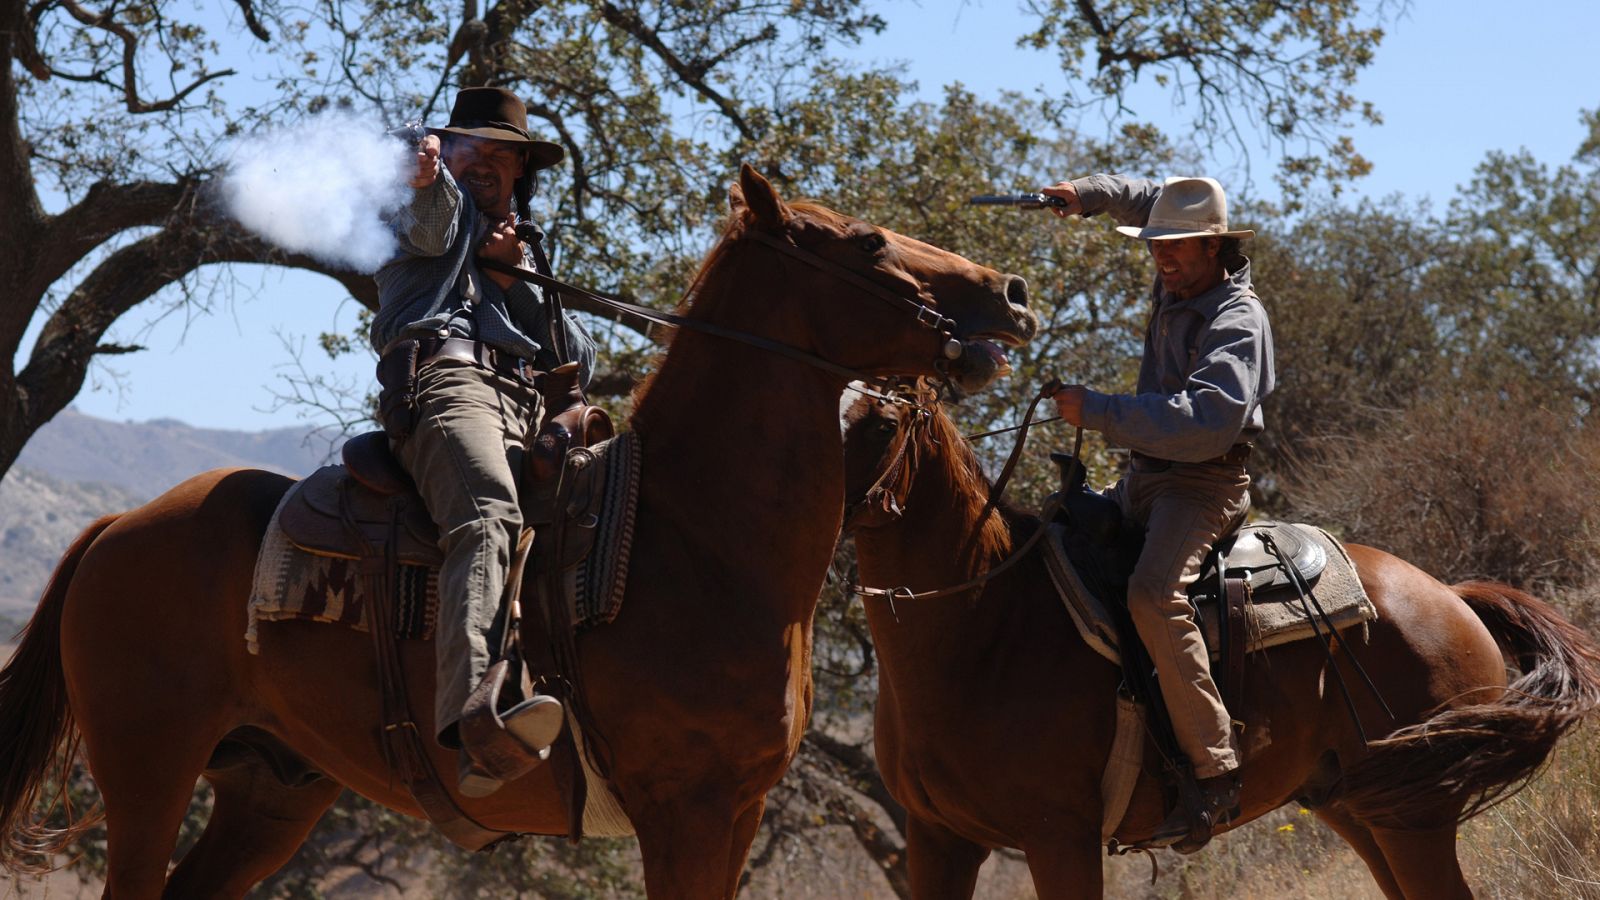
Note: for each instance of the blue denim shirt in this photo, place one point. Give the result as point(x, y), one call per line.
point(431, 232)
point(1207, 360)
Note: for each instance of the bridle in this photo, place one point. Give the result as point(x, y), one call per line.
point(881, 503)
point(922, 313)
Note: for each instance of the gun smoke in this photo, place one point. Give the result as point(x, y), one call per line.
point(321, 188)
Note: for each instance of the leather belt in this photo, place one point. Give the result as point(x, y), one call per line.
point(475, 352)
point(1237, 455)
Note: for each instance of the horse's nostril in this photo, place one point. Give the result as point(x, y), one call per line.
point(1017, 290)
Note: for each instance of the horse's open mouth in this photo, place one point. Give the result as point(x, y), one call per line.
point(990, 350)
point(993, 346)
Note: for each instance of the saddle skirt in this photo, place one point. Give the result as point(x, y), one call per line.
point(1275, 614)
point(309, 565)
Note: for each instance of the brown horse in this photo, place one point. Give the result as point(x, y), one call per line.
point(995, 719)
point(700, 688)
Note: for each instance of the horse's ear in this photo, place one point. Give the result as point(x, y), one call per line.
point(756, 195)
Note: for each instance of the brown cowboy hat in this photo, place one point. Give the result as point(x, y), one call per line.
point(496, 114)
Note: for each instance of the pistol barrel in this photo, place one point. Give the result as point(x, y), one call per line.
point(1020, 201)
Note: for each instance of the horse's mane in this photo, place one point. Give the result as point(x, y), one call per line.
point(707, 289)
point(971, 485)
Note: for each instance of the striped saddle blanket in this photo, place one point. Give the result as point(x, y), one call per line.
point(293, 583)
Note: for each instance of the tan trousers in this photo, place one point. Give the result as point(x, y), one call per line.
point(1185, 509)
point(464, 453)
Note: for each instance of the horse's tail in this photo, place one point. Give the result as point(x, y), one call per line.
point(36, 726)
point(1473, 756)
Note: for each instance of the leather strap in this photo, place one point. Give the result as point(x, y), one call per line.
point(478, 353)
point(1236, 600)
point(402, 742)
point(561, 632)
point(700, 325)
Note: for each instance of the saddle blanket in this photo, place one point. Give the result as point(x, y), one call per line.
point(1274, 617)
point(293, 584)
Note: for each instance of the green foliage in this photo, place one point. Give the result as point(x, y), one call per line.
point(1275, 72)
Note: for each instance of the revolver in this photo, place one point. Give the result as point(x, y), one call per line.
point(1020, 201)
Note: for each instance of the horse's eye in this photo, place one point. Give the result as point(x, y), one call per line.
point(873, 243)
point(888, 427)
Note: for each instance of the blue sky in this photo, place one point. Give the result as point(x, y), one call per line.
point(1454, 80)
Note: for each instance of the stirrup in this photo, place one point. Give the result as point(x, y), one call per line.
point(510, 742)
point(1200, 812)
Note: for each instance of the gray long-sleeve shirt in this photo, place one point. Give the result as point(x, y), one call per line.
point(1207, 360)
point(513, 319)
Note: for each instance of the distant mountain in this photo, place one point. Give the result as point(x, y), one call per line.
point(78, 468)
point(39, 517)
point(146, 458)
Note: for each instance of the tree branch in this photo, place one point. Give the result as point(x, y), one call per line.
point(18, 196)
point(130, 50)
point(248, 9)
point(630, 23)
point(105, 210)
point(862, 769)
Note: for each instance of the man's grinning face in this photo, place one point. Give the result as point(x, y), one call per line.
point(1187, 266)
point(487, 170)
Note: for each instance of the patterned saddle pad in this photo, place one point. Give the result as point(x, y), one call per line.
point(292, 583)
point(1275, 615)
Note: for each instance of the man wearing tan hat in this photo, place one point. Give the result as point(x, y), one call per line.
point(1207, 366)
point(457, 347)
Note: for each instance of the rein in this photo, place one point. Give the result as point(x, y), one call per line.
point(1046, 514)
point(924, 314)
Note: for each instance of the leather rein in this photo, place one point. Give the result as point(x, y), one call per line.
point(881, 497)
point(924, 314)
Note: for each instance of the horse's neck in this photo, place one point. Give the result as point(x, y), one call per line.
point(941, 539)
point(742, 452)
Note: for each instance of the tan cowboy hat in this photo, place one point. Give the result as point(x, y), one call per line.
point(1187, 207)
point(497, 114)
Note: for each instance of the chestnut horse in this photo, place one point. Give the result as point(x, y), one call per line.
point(995, 719)
point(700, 688)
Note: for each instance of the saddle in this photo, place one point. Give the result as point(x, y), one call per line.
point(1257, 587)
point(351, 510)
point(369, 510)
point(1250, 564)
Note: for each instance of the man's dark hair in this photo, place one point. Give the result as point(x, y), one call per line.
point(1231, 253)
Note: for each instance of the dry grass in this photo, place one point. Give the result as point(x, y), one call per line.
point(1545, 842)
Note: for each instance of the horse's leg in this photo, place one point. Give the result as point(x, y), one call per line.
point(687, 844)
point(146, 796)
point(256, 825)
point(1067, 867)
point(744, 834)
point(1360, 839)
point(1424, 862)
point(940, 862)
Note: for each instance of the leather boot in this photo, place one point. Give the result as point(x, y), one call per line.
point(1214, 803)
point(534, 723)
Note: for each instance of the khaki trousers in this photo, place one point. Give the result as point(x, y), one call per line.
point(1185, 509)
point(464, 453)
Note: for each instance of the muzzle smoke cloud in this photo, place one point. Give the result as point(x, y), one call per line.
point(321, 188)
